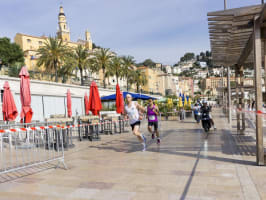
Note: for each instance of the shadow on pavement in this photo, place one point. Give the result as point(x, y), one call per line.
point(226, 147)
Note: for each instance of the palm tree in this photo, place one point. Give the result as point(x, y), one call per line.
point(52, 55)
point(80, 59)
point(115, 68)
point(128, 62)
point(103, 60)
point(139, 79)
point(67, 69)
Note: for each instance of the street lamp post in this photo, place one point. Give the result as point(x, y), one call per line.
point(225, 4)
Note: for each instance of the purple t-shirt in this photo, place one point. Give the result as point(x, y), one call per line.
point(152, 117)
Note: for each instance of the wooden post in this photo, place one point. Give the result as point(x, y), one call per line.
point(237, 97)
point(258, 92)
point(223, 104)
point(265, 64)
point(242, 99)
point(229, 96)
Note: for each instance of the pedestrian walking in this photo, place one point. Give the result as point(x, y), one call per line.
point(152, 115)
point(182, 114)
point(133, 110)
point(253, 105)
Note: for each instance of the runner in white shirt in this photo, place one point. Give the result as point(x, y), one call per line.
point(132, 110)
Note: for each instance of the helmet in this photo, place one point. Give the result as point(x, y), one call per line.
point(204, 102)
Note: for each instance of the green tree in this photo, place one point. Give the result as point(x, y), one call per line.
point(115, 68)
point(139, 79)
point(14, 70)
point(52, 55)
point(80, 59)
point(127, 68)
point(10, 53)
point(66, 71)
point(103, 61)
point(187, 57)
point(148, 63)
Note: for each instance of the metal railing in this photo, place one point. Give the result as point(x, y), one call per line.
point(22, 148)
point(28, 145)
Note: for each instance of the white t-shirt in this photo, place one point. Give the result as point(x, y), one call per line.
point(132, 113)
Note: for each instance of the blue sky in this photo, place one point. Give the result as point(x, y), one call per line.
point(162, 30)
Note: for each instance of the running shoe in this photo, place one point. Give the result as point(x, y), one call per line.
point(152, 136)
point(158, 141)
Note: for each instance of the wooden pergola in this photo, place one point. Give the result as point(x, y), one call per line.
point(237, 40)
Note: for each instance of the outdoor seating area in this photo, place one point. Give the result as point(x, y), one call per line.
point(29, 142)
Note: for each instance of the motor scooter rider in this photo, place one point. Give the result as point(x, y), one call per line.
point(206, 109)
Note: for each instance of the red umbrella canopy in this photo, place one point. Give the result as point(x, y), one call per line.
point(95, 104)
point(9, 107)
point(25, 96)
point(86, 103)
point(69, 104)
point(119, 100)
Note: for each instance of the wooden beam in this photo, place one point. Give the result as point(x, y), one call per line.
point(237, 11)
point(258, 92)
point(219, 31)
point(265, 64)
point(218, 26)
point(237, 98)
point(222, 18)
point(246, 51)
point(220, 23)
point(229, 96)
point(242, 99)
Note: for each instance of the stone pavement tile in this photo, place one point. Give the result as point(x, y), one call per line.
point(115, 168)
point(152, 196)
point(21, 196)
point(210, 191)
point(113, 194)
point(258, 175)
point(43, 190)
point(82, 194)
point(9, 186)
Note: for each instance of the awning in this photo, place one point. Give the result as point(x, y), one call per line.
point(134, 96)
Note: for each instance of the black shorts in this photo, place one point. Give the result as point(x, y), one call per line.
point(155, 124)
point(135, 124)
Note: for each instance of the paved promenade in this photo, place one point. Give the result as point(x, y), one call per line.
point(189, 164)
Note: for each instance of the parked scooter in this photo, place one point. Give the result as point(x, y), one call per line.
point(197, 117)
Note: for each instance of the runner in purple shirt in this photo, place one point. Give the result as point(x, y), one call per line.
point(152, 115)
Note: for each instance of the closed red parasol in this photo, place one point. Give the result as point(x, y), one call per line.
point(9, 107)
point(25, 96)
point(86, 104)
point(69, 104)
point(119, 100)
point(95, 104)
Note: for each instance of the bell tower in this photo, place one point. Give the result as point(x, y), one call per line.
point(63, 31)
point(88, 40)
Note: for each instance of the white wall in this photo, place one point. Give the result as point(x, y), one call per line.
point(49, 98)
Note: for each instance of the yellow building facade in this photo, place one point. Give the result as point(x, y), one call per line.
point(30, 44)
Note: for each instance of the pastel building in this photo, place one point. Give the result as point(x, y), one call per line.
point(30, 44)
